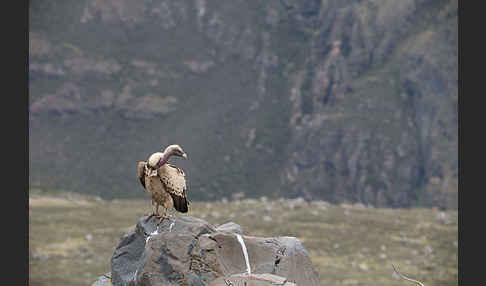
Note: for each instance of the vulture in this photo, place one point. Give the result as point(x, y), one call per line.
point(164, 182)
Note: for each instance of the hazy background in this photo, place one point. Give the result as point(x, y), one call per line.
point(338, 100)
point(352, 102)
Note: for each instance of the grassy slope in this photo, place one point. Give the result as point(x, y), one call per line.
point(350, 245)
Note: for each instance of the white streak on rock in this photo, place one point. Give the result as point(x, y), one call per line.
point(245, 253)
point(150, 235)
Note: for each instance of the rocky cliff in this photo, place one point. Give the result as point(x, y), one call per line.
point(341, 100)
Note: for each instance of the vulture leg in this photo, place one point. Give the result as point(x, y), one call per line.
point(171, 213)
point(163, 216)
point(149, 216)
point(154, 213)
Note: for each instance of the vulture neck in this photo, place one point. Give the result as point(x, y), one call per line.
point(164, 159)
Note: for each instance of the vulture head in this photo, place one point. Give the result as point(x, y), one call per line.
point(157, 159)
point(175, 150)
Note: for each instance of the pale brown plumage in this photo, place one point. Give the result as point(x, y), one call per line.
point(165, 183)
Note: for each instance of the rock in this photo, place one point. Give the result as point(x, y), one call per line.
point(40, 256)
point(350, 282)
point(230, 227)
point(267, 218)
point(237, 196)
point(345, 206)
point(103, 280)
point(215, 214)
point(251, 201)
point(199, 67)
point(363, 266)
point(268, 208)
point(296, 203)
point(442, 218)
point(359, 206)
point(189, 251)
point(322, 205)
point(404, 238)
point(428, 249)
point(252, 280)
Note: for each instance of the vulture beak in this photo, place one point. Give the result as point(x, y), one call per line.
point(184, 156)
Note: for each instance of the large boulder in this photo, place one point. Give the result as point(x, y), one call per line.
point(190, 251)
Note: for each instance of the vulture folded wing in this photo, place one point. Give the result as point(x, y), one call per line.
point(174, 181)
point(141, 172)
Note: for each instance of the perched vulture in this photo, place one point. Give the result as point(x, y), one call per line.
point(165, 183)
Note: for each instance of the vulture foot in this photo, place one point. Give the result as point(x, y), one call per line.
point(151, 215)
point(162, 217)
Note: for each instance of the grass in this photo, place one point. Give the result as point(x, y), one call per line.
point(72, 237)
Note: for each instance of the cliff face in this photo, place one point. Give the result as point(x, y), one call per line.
point(375, 110)
point(336, 100)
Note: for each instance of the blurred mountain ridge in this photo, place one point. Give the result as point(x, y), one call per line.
point(341, 100)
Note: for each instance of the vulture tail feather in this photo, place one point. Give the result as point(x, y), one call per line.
point(180, 203)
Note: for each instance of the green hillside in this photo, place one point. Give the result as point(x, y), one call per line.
point(341, 100)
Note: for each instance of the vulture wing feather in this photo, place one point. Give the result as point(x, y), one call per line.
point(141, 173)
point(174, 181)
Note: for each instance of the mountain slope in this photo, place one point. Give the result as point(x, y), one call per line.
point(337, 100)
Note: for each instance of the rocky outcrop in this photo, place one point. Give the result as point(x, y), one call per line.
point(189, 251)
